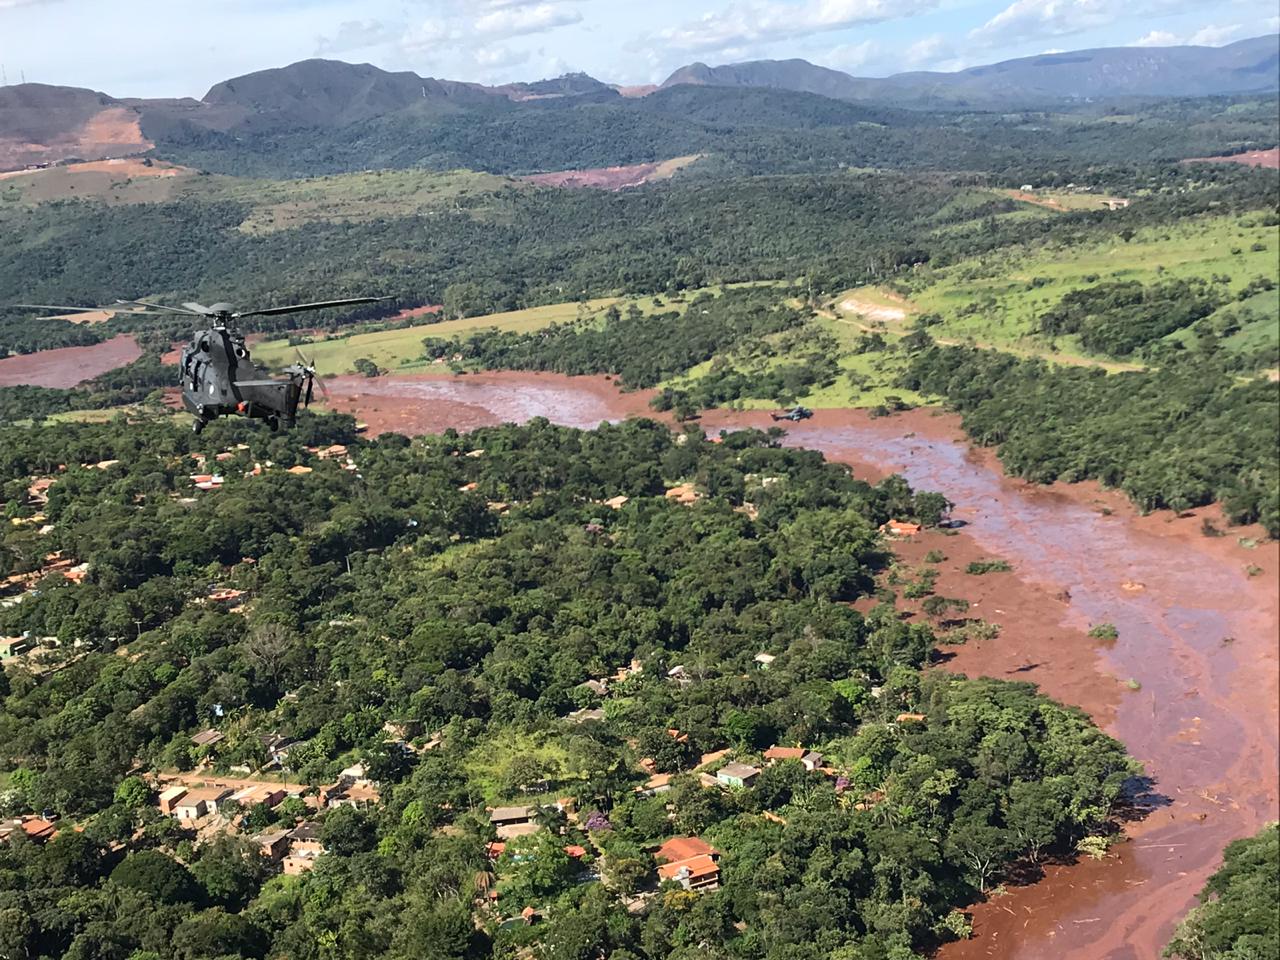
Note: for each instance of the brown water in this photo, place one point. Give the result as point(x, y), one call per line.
point(1203, 721)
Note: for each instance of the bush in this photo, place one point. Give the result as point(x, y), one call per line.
point(978, 567)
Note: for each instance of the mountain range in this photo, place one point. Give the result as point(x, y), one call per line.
point(1247, 66)
point(42, 124)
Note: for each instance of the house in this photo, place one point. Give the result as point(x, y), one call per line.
point(11, 647)
point(689, 861)
point(776, 754)
point(38, 491)
point(513, 830)
point(900, 528)
point(658, 783)
point(737, 774)
point(679, 674)
point(582, 716)
point(512, 822)
point(360, 794)
point(37, 829)
point(225, 595)
point(304, 848)
point(494, 849)
point(764, 660)
point(598, 687)
point(810, 759)
point(298, 470)
point(274, 844)
point(715, 756)
point(684, 493)
point(912, 718)
point(331, 453)
point(265, 793)
point(199, 802)
point(278, 748)
point(617, 503)
point(207, 738)
point(507, 816)
point(169, 799)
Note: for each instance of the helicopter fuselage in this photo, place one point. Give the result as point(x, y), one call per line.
point(219, 379)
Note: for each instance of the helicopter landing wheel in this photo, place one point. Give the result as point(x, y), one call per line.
point(198, 426)
point(273, 423)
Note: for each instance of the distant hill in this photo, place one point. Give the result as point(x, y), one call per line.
point(1113, 72)
point(43, 124)
point(330, 93)
point(329, 116)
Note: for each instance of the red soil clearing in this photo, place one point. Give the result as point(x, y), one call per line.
point(1204, 722)
point(599, 178)
point(68, 366)
point(1254, 158)
point(428, 311)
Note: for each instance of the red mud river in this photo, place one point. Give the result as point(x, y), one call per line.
point(1203, 723)
point(67, 366)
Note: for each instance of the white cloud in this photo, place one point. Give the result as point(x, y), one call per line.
point(1032, 19)
point(766, 21)
point(1157, 38)
point(929, 52)
point(498, 58)
point(513, 20)
point(852, 56)
point(1216, 35)
point(356, 35)
point(1211, 35)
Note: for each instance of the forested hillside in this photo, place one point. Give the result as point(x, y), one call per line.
point(750, 131)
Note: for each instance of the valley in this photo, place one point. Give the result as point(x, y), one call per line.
point(769, 514)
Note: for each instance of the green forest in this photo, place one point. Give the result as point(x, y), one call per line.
point(1239, 912)
point(1182, 436)
point(748, 131)
point(398, 593)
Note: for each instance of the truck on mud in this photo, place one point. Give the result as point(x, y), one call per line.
point(795, 414)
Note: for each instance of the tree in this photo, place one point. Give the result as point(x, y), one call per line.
point(347, 831)
point(538, 868)
point(213, 933)
point(157, 875)
point(1239, 912)
point(133, 793)
point(231, 870)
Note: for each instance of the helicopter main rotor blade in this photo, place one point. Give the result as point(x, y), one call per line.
point(198, 308)
point(54, 306)
point(161, 307)
point(320, 305)
point(260, 383)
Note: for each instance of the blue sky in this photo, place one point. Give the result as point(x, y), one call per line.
point(181, 47)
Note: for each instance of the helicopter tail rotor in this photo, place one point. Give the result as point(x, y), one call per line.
point(308, 368)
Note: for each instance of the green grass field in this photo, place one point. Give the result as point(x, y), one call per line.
point(401, 350)
point(394, 350)
point(994, 301)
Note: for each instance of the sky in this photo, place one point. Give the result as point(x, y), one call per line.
point(182, 47)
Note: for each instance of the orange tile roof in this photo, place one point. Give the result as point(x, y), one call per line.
point(784, 753)
point(683, 848)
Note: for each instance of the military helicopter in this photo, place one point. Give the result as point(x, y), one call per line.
point(217, 376)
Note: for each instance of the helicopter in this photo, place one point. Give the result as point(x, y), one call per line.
point(218, 377)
